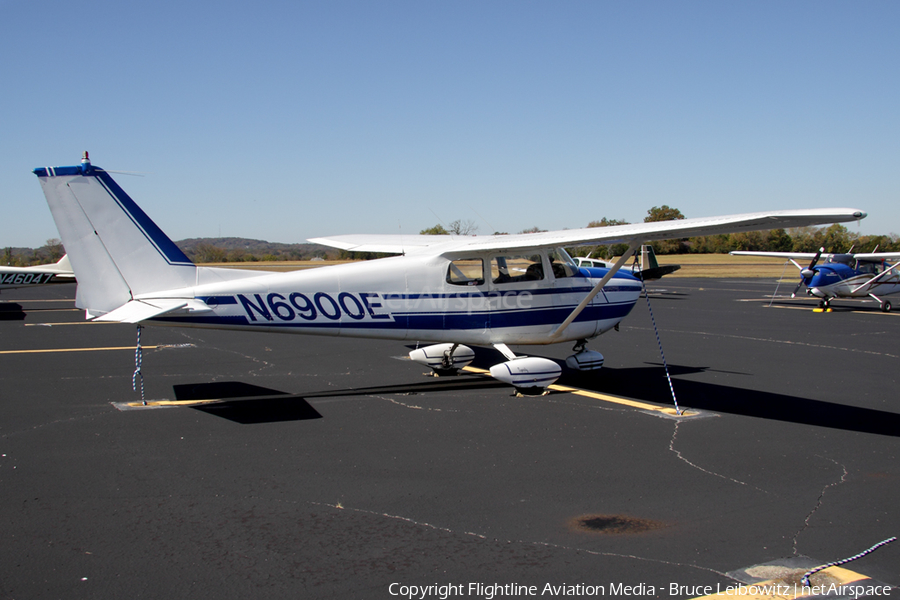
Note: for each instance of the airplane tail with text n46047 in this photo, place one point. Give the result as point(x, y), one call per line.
point(442, 291)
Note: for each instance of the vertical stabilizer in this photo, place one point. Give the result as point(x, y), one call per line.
point(116, 251)
point(648, 258)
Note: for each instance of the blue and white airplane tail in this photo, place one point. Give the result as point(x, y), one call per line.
point(117, 252)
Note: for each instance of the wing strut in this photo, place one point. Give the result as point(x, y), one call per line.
point(632, 248)
point(874, 279)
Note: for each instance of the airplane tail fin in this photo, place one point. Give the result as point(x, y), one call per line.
point(648, 258)
point(62, 268)
point(115, 250)
point(64, 264)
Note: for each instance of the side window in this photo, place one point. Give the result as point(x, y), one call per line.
point(867, 267)
point(516, 267)
point(466, 271)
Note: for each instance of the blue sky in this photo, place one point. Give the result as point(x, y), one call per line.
point(288, 120)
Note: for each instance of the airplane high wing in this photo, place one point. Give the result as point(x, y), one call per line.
point(848, 275)
point(445, 291)
point(16, 277)
point(617, 234)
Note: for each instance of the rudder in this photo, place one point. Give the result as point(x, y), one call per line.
point(117, 252)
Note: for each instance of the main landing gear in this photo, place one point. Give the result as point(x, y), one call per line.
point(885, 304)
point(444, 359)
point(584, 359)
point(530, 375)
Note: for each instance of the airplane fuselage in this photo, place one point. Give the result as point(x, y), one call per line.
point(836, 280)
point(412, 298)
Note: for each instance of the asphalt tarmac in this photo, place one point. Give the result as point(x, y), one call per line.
point(339, 470)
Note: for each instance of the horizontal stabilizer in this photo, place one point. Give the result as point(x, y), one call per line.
point(141, 310)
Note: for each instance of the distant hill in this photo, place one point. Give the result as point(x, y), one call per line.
point(199, 250)
point(232, 249)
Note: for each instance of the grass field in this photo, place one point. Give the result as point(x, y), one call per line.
point(692, 265)
point(724, 265)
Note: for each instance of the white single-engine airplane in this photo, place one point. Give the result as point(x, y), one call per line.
point(843, 275)
point(443, 290)
point(16, 277)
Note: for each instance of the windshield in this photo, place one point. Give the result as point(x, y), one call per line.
point(561, 263)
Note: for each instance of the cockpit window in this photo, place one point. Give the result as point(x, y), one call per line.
point(867, 267)
point(512, 268)
point(562, 264)
point(466, 271)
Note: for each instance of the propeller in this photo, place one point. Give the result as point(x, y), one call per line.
point(807, 273)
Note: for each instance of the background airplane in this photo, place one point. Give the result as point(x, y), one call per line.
point(859, 275)
point(442, 290)
point(16, 277)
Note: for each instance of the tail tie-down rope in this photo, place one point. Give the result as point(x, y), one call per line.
point(659, 343)
point(805, 578)
point(138, 358)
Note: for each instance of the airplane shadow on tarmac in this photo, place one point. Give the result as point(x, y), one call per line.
point(648, 383)
point(248, 404)
point(245, 403)
point(11, 311)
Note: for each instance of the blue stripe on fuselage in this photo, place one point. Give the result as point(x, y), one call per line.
point(438, 321)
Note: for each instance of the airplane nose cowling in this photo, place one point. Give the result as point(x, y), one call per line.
point(816, 292)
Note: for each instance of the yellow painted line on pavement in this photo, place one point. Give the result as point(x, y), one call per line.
point(667, 410)
point(21, 300)
point(201, 401)
point(72, 323)
point(830, 579)
point(803, 304)
point(52, 350)
point(151, 403)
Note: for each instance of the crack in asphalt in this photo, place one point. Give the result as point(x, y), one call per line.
point(340, 506)
point(772, 340)
point(699, 468)
point(411, 406)
point(819, 501)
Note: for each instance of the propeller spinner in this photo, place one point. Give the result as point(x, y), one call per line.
point(807, 273)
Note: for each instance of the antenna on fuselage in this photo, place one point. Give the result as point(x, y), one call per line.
point(491, 227)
